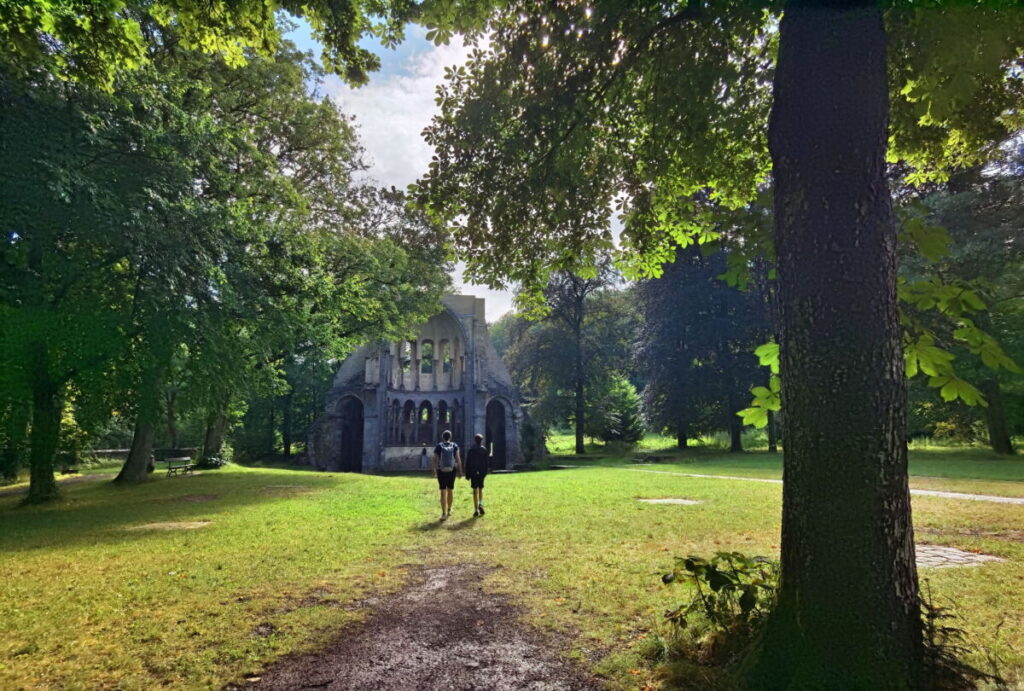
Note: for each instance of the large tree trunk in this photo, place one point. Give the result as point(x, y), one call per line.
point(15, 433)
point(995, 416)
point(47, 401)
point(213, 440)
point(848, 614)
point(681, 435)
point(137, 465)
point(172, 420)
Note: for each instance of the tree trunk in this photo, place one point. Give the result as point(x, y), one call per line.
point(995, 417)
point(773, 442)
point(848, 612)
point(580, 402)
point(137, 465)
point(47, 402)
point(213, 440)
point(735, 434)
point(15, 433)
point(172, 423)
point(681, 439)
point(286, 425)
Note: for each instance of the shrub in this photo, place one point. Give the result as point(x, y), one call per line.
point(733, 596)
point(617, 414)
point(211, 462)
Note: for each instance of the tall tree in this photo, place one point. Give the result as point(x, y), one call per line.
point(697, 346)
point(568, 295)
point(573, 108)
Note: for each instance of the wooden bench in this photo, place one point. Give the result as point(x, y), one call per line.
point(179, 465)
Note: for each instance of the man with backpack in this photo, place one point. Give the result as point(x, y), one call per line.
point(476, 469)
point(447, 465)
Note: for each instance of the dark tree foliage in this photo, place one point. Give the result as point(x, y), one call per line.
point(697, 344)
point(976, 217)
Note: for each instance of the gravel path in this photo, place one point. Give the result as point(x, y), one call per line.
point(921, 492)
point(444, 631)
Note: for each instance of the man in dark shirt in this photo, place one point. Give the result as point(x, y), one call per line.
point(476, 470)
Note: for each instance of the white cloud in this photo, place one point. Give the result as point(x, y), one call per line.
point(393, 109)
point(391, 113)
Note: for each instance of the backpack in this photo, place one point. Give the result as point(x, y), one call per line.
point(447, 456)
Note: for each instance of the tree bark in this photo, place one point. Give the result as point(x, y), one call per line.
point(848, 611)
point(47, 401)
point(213, 440)
point(995, 417)
point(15, 433)
point(172, 423)
point(579, 391)
point(735, 435)
point(681, 439)
point(286, 425)
point(137, 465)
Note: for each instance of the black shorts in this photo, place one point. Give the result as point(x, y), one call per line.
point(446, 480)
point(476, 480)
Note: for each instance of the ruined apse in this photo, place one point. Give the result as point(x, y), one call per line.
point(390, 402)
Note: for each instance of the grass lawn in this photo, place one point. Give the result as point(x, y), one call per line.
point(105, 591)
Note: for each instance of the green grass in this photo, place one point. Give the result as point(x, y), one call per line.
point(90, 600)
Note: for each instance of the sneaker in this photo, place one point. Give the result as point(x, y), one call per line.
point(444, 517)
point(481, 509)
point(476, 513)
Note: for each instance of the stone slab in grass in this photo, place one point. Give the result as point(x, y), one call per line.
point(562, 467)
point(941, 557)
point(671, 500)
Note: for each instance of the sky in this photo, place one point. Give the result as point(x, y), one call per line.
point(391, 113)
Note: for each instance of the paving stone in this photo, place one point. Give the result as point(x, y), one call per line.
point(671, 500)
point(942, 557)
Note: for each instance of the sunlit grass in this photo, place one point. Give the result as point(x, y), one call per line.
point(93, 598)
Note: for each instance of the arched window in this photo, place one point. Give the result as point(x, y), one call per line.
point(395, 422)
point(443, 414)
point(409, 413)
point(427, 357)
point(446, 357)
point(426, 427)
point(405, 355)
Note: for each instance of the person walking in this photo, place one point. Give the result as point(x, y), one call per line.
point(477, 461)
point(446, 464)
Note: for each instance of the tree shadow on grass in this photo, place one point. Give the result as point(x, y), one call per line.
point(96, 513)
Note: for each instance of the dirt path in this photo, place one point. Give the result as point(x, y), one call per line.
point(444, 631)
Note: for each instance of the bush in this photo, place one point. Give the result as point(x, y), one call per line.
point(531, 440)
point(211, 462)
point(617, 415)
point(733, 596)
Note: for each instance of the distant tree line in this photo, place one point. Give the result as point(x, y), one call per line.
point(679, 349)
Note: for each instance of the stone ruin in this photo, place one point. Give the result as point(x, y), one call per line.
point(390, 402)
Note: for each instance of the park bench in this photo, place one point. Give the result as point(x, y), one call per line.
point(179, 465)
